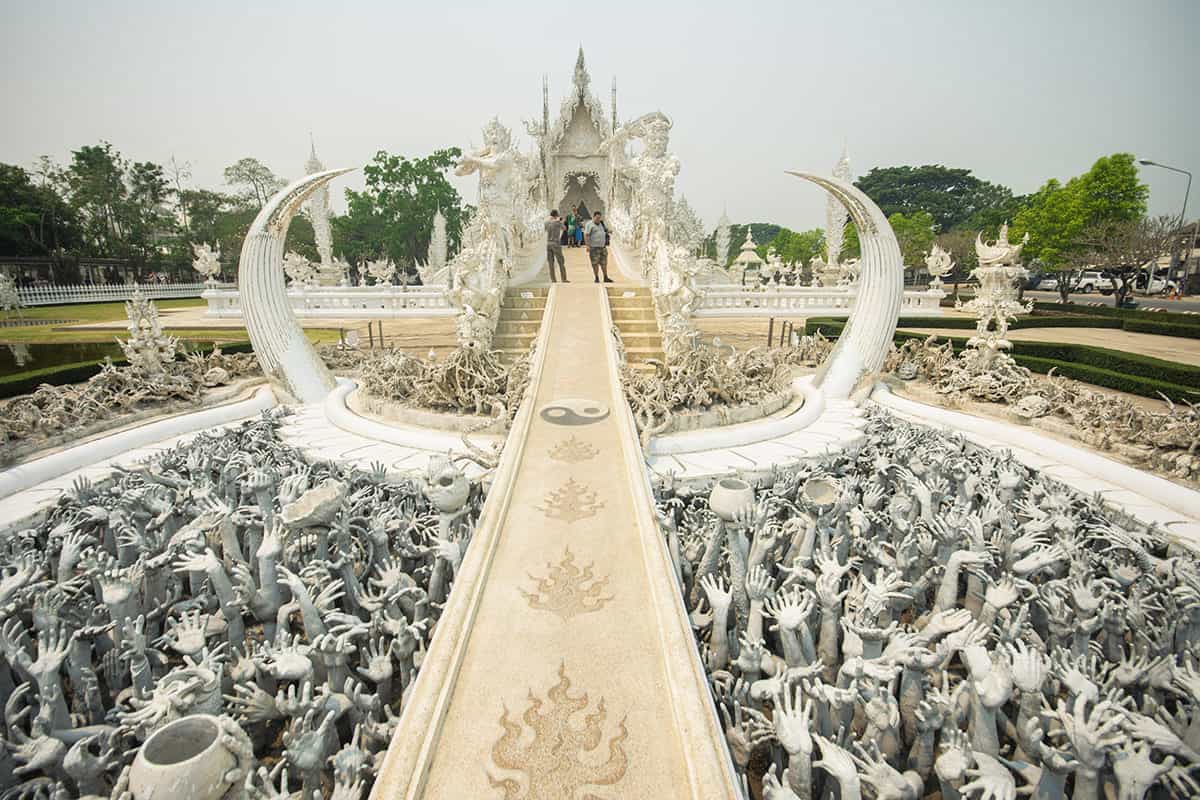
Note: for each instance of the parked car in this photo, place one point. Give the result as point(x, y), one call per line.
point(1091, 281)
point(1158, 284)
point(1048, 283)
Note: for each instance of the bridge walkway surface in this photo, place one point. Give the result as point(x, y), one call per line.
point(563, 666)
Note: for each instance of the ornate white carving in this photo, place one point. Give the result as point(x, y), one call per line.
point(300, 270)
point(995, 304)
point(722, 240)
point(685, 227)
point(836, 216)
point(319, 213)
point(938, 263)
point(207, 262)
point(382, 270)
point(147, 349)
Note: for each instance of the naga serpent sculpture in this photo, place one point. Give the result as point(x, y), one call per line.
point(284, 352)
point(867, 337)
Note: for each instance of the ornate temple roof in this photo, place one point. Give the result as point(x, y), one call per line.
point(580, 96)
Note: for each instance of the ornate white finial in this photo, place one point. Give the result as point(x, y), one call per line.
point(582, 79)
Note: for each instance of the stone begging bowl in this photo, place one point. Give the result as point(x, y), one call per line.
point(183, 759)
point(317, 506)
point(822, 492)
point(728, 495)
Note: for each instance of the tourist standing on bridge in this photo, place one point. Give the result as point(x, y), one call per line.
point(554, 232)
point(572, 224)
point(581, 214)
point(597, 241)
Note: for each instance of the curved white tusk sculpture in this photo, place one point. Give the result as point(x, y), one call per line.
point(283, 351)
point(864, 343)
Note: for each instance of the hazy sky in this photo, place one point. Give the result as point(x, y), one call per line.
point(1016, 91)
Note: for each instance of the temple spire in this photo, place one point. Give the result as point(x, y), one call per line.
point(582, 79)
point(545, 104)
point(614, 103)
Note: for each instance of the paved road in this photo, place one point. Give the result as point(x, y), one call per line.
point(1186, 304)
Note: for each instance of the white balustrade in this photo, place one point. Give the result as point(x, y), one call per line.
point(110, 292)
point(344, 302)
point(731, 300)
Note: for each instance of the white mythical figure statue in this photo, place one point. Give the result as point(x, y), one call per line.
point(938, 264)
point(207, 262)
point(300, 270)
point(483, 264)
point(836, 217)
point(319, 213)
point(773, 267)
point(652, 176)
point(685, 226)
point(722, 241)
point(675, 299)
point(147, 349)
point(995, 304)
point(343, 268)
point(497, 163)
point(382, 270)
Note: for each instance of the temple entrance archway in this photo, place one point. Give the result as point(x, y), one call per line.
point(581, 187)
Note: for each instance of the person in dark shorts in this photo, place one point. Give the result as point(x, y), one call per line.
point(554, 233)
point(597, 238)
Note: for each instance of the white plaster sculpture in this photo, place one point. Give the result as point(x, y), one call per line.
point(938, 264)
point(919, 617)
point(747, 261)
point(227, 597)
point(861, 349)
point(382, 271)
point(722, 241)
point(836, 215)
point(300, 271)
point(319, 213)
point(207, 262)
point(999, 274)
point(284, 352)
point(651, 175)
point(685, 226)
point(438, 244)
point(148, 349)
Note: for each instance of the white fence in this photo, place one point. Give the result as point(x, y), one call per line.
point(345, 302)
point(802, 301)
point(108, 293)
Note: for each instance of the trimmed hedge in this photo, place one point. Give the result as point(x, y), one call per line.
point(1161, 328)
point(79, 372)
point(1173, 317)
point(1114, 369)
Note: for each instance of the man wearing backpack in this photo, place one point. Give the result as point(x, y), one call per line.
point(554, 233)
point(597, 238)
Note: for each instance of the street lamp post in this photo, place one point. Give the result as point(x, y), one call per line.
point(1182, 220)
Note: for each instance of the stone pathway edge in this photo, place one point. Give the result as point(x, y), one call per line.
point(406, 766)
point(709, 766)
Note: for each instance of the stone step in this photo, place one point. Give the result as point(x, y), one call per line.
point(631, 302)
point(520, 341)
point(533, 291)
point(625, 291)
point(508, 327)
point(622, 314)
point(537, 303)
point(636, 326)
point(642, 340)
point(636, 355)
point(521, 314)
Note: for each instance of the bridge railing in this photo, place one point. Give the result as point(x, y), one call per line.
point(345, 302)
point(108, 292)
point(732, 300)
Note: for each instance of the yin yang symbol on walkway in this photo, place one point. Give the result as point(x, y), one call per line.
point(573, 411)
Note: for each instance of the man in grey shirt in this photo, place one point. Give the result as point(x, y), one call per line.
point(596, 235)
point(554, 231)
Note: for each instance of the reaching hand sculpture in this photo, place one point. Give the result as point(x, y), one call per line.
point(212, 584)
point(976, 628)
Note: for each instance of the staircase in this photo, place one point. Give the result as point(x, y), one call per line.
point(520, 318)
point(633, 314)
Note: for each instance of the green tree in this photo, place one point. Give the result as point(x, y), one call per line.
point(1058, 216)
point(851, 248)
point(795, 246)
point(914, 233)
point(34, 219)
point(255, 179)
point(953, 197)
point(393, 215)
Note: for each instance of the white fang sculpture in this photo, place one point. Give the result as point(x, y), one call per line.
point(284, 353)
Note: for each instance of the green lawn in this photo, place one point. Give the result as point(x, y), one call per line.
point(82, 313)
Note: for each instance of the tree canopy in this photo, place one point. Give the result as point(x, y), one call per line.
point(393, 215)
point(795, 246)
point(1058, 214)
point(255, 179)
point(952, 197)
